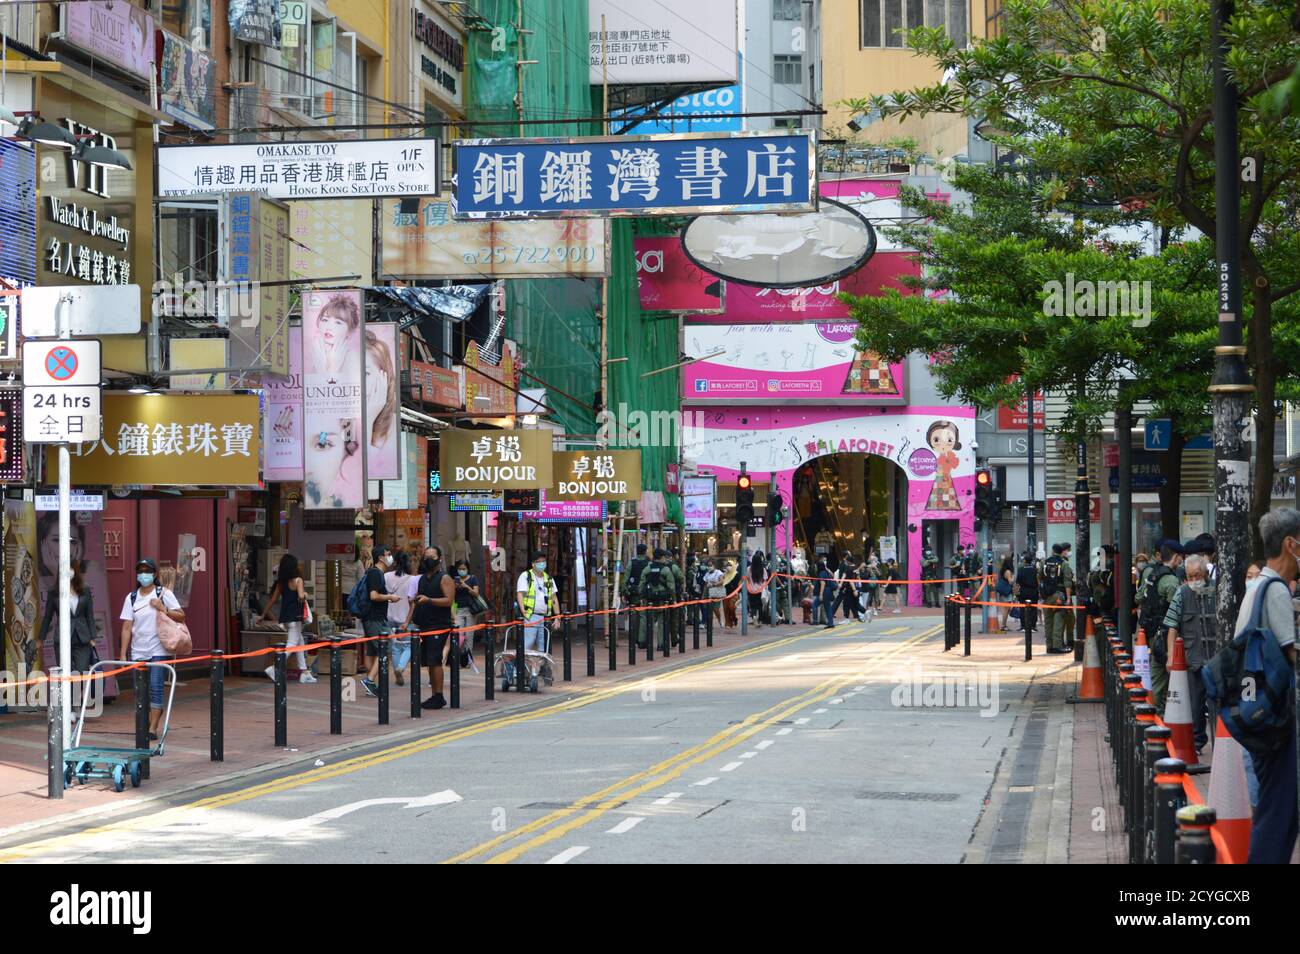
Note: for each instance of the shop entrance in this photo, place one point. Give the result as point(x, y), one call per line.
point(850, 503)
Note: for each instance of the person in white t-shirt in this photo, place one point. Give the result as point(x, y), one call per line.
point(398, 580)
point(140, 631)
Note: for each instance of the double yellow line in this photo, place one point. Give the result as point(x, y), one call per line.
point(590, 807)
point(583, 698)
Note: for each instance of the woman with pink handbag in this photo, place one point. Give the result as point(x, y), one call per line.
point(144, 609)
point(290, 590)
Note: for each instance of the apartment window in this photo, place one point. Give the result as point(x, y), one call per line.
point(787, 69)
point(787, 10)
point(885, 22)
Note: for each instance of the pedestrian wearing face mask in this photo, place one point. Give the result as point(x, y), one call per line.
point(140, 631)
point(375, 622)
point(1191, 615)
point(536, 594)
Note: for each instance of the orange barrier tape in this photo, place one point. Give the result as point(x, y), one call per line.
point(1050, 606)
point(937, 580)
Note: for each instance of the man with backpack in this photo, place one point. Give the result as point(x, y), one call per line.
point(1272, 751)
point(1055, 584)
point(658, 585)
point(632, 594)
point(1101, 584)
point(1160, 586)
point(1191, 615)
point(1026, 591)
point(369, 601)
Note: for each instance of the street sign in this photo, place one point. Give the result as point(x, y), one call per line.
point(57, 415)
point(78, 501)
point(80, 310)
point(1158, 434)
point(61, 363)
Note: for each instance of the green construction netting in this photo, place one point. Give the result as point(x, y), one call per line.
point(556, 321)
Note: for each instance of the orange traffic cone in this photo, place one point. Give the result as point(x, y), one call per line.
point(1178, 707)
point(1090, 685)
point(1229, 796)
point(1142, 658)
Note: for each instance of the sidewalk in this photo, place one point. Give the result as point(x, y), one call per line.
point(250, 730)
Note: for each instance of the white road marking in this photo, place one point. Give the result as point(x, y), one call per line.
point(748, 755)
point(706, 781)
point(786, 731)
point(834, 702)
point(627, 824)
point(765, 744)
point(732, 766)
point(859, 688)
point(802, 721)
point(667, 799)
point(819, 711)
point(295, 825)
point(567, 855)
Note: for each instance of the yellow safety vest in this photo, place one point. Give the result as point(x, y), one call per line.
point(530, 596)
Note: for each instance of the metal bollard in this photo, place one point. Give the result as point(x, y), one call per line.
point(568, 651)
point(217, 711)
point(633, 621)
point(697, 610)
point(281, 700)
point(454, 679)
point(489, 662)
point(1029, 637)
point(666, 627)
point(591, 645)
point(611, 633)
point(54, 738)
point(521, 660)
point(417, 647)
point(744, 608)
point(966, 637)
point(383, 647)
point(1155, 747)
point(142, 714)
point(1194, 845)
point(1169, 798)
point(648, 627)
point(1134, 801)
point(336, 688)
point(708, 627)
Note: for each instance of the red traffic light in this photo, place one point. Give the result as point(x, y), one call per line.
point(744, 482)
point(983, 478)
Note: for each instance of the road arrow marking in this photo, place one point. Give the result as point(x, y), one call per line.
point(293, 826)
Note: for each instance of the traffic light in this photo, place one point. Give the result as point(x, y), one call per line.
point(984, 495)
point(744, 501)
point(775, 515)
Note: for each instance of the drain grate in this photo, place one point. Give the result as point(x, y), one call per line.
point(909, 796)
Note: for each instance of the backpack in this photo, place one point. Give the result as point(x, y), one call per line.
point(358, 603)
point(1252, 683)
point(1152, 616)
point(658, 581)
point(634, 571)
point(1103, 588)
point(1050, 584)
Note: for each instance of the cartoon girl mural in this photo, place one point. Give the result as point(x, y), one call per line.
point(943, 438)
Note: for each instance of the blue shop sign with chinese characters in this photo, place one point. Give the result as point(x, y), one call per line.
point(684, 174)
point(1145, 468)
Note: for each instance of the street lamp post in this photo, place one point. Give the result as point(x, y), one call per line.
point(1230, 388)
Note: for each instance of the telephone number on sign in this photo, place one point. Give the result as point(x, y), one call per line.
point(533, 255)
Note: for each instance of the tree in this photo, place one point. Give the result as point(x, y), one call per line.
point(1112, 101)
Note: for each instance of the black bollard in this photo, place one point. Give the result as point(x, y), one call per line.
point(281, 700)
point(1155, 747)
point(417, 646)
point(521, 659)
point(611, 631)
point(568, 651)
point(489, 662)
point(633, 620)
point(648, 627)
point(696, 610)
point(1134, 801)
point(383, 647)
point(591, 646)
point(142, 714)
point(1029, 636)
point(1169, 798)
point(217, 716)
point(708, 626)
point(454, 654)
point(1194, 845)
point(966, 635)
point(336, 688)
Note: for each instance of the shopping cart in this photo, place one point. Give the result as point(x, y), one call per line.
point(87, 762)
point(539, 666)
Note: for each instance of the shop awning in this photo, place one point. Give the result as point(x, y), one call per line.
point(456, 302)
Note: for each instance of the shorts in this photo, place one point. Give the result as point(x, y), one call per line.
point(401, 652)
point(431, 648)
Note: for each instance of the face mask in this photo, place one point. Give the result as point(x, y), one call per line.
point(462, 573)
point(144, 579)
point(540, 566)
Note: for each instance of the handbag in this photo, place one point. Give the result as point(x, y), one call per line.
point(306, 613)
point(174, 637)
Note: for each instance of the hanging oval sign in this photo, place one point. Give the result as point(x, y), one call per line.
point(782, 251)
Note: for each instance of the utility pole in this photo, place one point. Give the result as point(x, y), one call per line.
point(1230, 388)
point(1031, 533)
point(1082, 534)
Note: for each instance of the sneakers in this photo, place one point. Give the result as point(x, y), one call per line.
point(401, 680)
point(369, 686)
point(435, 701)
point(306, 678)
point(897, 611)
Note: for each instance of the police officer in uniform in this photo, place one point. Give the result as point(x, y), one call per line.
point(930, 573)
point(632, 594)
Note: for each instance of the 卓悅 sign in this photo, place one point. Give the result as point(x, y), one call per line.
point(636, 175)
point(493, 460)
point(1061, 509)
point(340, 169)
point(668, 41)
point(596, 475)
point(172, 440)
point(422, 240)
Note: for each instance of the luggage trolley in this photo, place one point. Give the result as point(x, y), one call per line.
point(540, 665)
point(87, 762)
